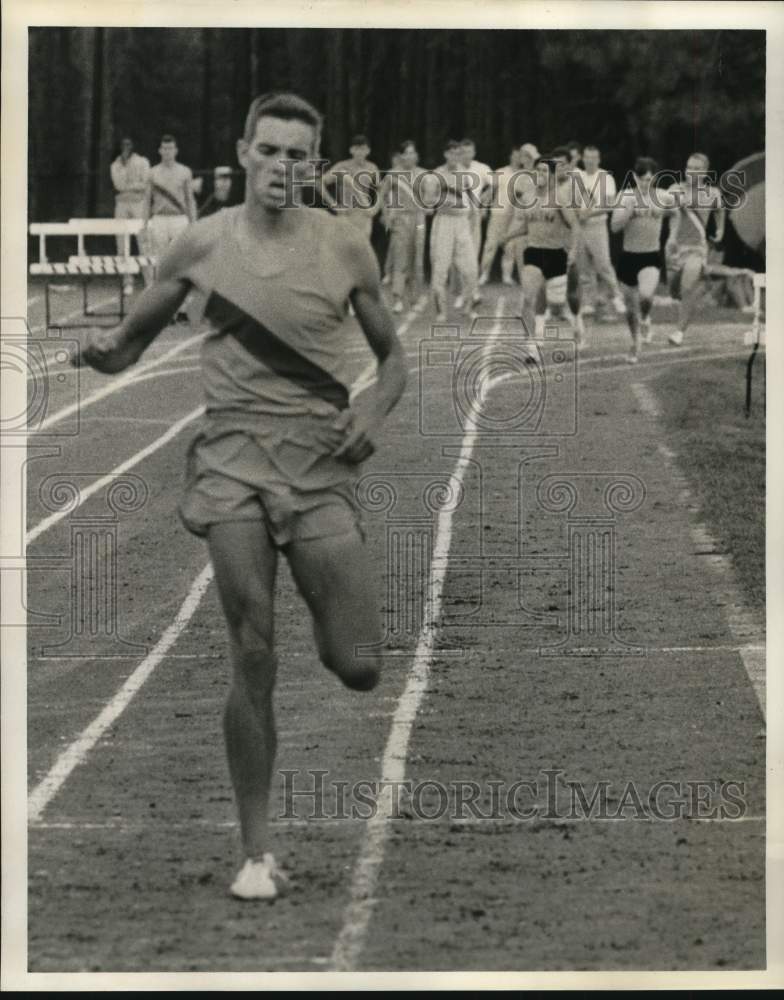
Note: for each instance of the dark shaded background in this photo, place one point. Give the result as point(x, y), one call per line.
point(663, 93)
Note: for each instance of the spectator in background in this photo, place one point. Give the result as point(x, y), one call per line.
point(499, 222)
point(221, 192)
point(598, 194)
point(575, 154)
point(169, 204)
point(356, 183)
point(130, 173)
point(404, 217)
point(481, 187)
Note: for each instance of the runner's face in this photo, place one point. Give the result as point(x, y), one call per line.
point(168, 151)
point(542, 175)
point(267, 159)
point(467, 154)
point(126, 148)
point(360, 153)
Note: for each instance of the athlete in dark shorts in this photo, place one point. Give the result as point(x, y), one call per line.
point(541, 212)
point(639, 216)
point(275, 466)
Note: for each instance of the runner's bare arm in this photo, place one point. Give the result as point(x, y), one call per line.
point(377, 325)
point(112, 351)
point(621, 215)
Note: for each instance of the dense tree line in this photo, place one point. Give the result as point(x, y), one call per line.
point(659, 92)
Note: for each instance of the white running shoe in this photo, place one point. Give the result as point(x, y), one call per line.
point(440, 317)
point(588, 310)
point(483, 279)
point(397, 307)
point(386, 280)
point(632, 359)
point(459, 302)
point(676, 337)
point(476, 299)
point(620, 305)
point(508, 280)
point(259, 879)
point(646, 331)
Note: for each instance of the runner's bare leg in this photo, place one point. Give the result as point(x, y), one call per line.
point(245, 562)
point(334, 576)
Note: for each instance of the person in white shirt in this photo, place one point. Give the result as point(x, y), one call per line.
point(356, 183)
point(476, 182)
point(129, 173)
point(598, 194)
point(169, 203)
point(499, 220)
point(451, 239)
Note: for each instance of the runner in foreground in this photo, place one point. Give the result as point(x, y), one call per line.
point(275, 466)
point(639, 215)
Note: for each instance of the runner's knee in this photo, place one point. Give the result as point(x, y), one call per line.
point(357, 671)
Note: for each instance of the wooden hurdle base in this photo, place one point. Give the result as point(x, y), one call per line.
point(83, 269)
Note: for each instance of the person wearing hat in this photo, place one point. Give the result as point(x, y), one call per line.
point(355, 182)
point(221, 192)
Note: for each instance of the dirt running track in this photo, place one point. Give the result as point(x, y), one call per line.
point(130, 860)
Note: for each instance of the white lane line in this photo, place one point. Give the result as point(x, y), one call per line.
point(71, 758)
point(121, 826)
point(745, 624)
point(149, 421)
point(98, 484)
point(367, 376)
point(351, 939)
point(158, 372)
point(116, 385)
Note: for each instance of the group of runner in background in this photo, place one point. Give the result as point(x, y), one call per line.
point(549, 216)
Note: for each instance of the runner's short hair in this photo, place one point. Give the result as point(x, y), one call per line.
point(467, 142)
point(404, 145)
point(289, 107)
point(451, 144)
point(168, 138)
point(645, 165)
point(359, 140)
point(560, 151)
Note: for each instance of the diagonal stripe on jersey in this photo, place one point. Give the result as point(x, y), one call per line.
point(275, 353)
